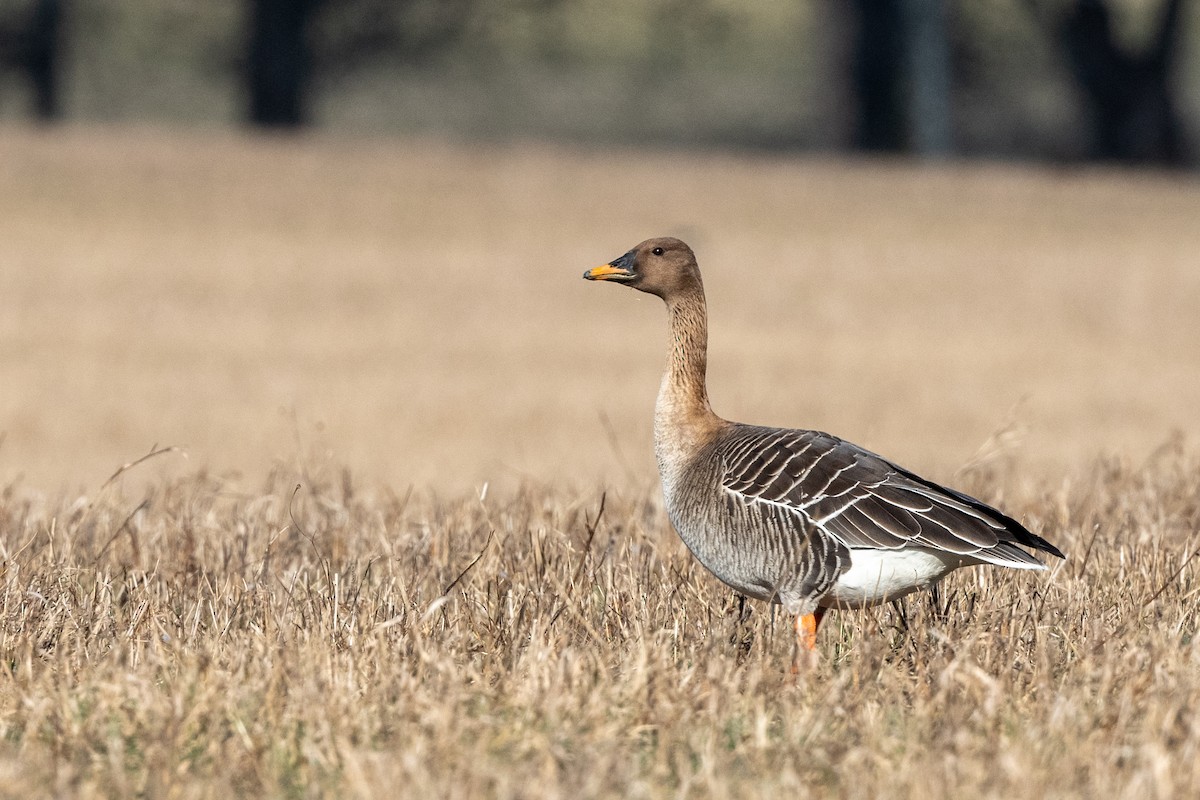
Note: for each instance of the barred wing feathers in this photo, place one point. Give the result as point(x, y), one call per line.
point(861, 500)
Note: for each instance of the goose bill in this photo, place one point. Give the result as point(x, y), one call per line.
point(608, 272)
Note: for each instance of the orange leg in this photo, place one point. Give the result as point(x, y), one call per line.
point(806, 629)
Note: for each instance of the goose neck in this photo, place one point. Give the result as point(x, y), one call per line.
point(683, 415)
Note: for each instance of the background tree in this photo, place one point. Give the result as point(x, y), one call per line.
point(279, 61)
point(1127, 95)
point(30, 45)
point(290, 42)
point(901, 76)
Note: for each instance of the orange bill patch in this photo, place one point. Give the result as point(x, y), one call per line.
point(606, 272)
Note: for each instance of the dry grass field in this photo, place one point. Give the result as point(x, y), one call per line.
point(379, 572)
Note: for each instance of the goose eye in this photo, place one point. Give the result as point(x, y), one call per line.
point(658, 251)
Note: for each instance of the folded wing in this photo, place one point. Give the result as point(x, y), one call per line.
point(861, 500)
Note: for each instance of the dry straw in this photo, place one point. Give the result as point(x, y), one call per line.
point(294, 641)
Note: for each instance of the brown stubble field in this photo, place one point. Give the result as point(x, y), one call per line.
point(350, 339)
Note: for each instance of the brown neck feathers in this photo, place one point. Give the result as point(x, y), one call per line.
point(688, 358)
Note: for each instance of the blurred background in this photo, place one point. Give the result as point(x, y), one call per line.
point(289, 232)
point(1117, 80)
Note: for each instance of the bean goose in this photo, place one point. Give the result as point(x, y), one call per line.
point(796, 517)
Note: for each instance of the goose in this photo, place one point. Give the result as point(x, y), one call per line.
point(798, 518)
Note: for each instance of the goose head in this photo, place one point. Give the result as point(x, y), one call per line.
point(663, 267)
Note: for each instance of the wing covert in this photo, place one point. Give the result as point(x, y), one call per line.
point(864, 501)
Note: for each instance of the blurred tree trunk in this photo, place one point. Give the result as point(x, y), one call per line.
point(902, 76)
point(1127, 95)
point(279, 61)
point(33, 46)
point(929, 107)
point(878, 67)
point(44, 60)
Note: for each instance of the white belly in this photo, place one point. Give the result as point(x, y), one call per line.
point(879, 575)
